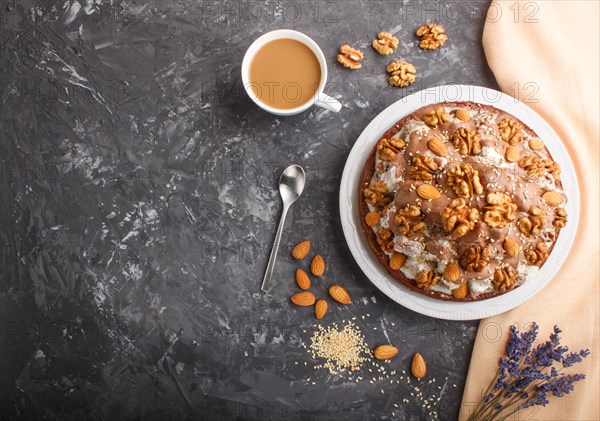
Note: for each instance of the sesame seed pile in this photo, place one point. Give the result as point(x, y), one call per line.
point(342, 349)
point(346, 353)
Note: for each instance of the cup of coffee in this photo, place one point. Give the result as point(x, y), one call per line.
point(284, 72)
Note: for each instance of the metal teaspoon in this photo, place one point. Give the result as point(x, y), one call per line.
point(291, 184)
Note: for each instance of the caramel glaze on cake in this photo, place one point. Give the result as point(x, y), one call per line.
point(461, 201)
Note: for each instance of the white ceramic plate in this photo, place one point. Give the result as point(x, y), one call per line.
point(359, 246)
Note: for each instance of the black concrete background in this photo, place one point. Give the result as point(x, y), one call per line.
point(139, 204)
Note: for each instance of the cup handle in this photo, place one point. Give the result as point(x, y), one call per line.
point(327, 102)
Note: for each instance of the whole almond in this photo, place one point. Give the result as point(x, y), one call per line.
point(437, 146)
point(339, 294)
point(320, 309)
point(372, 219)
point(452, 272)
point(301, 250)
point(427, 191)
point(512, 154)
point(385, 352)
point(511, 247)
point(303, 299)
point(302, 279)
point(552, 198)
point(397, 261)
point(462, 114)
point(418, 366)
point(535, 143)
point(317, 266)
point(461, 292)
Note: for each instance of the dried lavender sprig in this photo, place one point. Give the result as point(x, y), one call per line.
point(554, 381)
point(516, 347)
point(559, 386)
point(523, 366)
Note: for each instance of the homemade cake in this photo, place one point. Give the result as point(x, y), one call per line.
point(461, 201)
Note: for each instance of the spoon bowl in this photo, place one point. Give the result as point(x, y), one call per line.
point(291, 184)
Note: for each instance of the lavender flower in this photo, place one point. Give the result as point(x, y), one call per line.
point(527, 375)
point(574, 357)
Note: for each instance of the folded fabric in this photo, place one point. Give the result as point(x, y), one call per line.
point(546, 54)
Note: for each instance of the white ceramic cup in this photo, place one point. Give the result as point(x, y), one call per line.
point(320, 99)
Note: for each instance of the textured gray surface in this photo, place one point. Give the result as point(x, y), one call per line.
point(139, 203)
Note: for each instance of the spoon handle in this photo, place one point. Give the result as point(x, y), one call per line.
point(271, 265)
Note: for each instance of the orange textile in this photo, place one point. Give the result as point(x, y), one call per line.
point(546, 53)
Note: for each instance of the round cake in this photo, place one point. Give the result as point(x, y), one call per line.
point(461, 201)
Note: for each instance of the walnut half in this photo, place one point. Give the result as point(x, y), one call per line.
point(350, 57)
point(388, 149)
point(410, 220)
point(511, 131)
point(475, 258)
point(464, 180)
point(436, 116)
point(432, 36)
point(533, 165)
point(467, 141)
point(560, 218)
point(423, 167)
point(536, 167)
point(378, 195)
point(537, 255)
point(499, 210)
point(458, 219)
point(504, 279)
point(426, 279)
point(385, 238)
point(553, 168)
point(401, 73)
point(385, 44)
point(532, 224)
